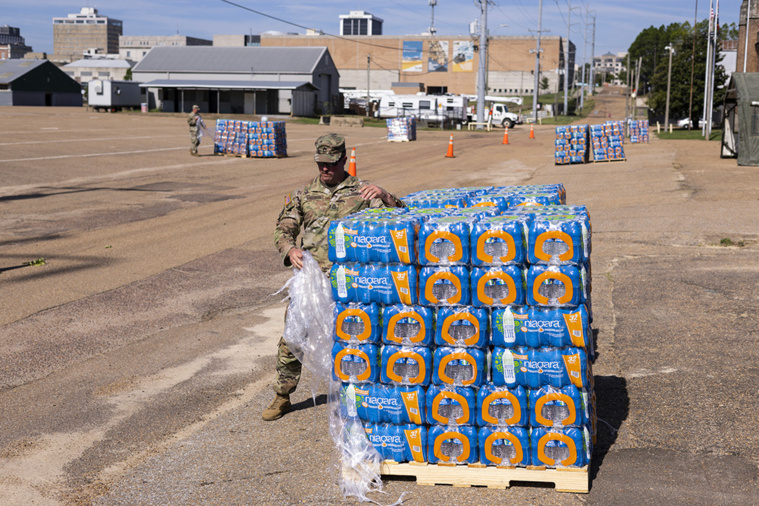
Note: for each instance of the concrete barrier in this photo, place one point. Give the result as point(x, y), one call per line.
point(346, 121)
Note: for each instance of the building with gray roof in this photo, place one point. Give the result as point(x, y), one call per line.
point(37, 82)
point(301, 81)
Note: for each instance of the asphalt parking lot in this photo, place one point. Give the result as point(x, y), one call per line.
point(134, 364)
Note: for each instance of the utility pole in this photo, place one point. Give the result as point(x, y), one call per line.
point(584, 60)
point(745, 51)
point(593, 60)
point(566, 60)
point(483, 60)
point(368, 103)
point(637, 87)
point(713, 68)
point(628, 95)
point(708, 73)
point(693, 70)
point(537, 65)
point(669, 82)
point(432, 4)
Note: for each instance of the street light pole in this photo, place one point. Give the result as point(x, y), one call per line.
point(669, 83)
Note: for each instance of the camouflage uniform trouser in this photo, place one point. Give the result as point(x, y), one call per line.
point(194, 141)
point(288, 369)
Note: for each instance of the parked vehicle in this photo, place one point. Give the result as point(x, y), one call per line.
point(499, 114)
point(431, 108)
point(113, 95)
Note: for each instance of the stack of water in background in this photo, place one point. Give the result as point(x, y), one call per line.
point(571, 144)
point(401, 129)
point(231, 137)
point(462, 327)
point(267, 139)
point(639, 131)
point(607, 142)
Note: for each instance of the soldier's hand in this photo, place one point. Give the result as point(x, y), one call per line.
point(296, 258)
point(372, 191)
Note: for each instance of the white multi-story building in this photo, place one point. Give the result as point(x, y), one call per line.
point(360, 23)
point(610, 64)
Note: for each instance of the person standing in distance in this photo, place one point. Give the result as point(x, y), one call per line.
point(333, 194)
point(196, 123)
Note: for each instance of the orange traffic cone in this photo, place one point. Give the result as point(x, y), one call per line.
point(506, 135)
point(532, 131)
point(352, 164)
point(450, 148)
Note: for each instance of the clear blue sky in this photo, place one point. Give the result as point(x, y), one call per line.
point(618, 22)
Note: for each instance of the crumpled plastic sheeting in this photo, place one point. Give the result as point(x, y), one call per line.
point(309, 324)
point(309, 328)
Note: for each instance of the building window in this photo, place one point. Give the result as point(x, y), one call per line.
point(362, 25)
point(104, 74)
point(129, 54)
point(86, 74)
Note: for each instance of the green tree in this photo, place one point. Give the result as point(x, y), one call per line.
point(650, 45)
point(544, 84)
point(128, 75)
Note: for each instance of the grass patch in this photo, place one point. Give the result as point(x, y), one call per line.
point(716, 135)
point(726, 242)
point(36, 263)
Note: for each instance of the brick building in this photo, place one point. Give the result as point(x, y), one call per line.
point(439, 64)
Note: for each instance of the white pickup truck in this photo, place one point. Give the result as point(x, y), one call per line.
point(499, 115)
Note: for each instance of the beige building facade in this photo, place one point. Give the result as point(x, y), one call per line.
point(441, 64)
point(135, 47)
point(86, 31)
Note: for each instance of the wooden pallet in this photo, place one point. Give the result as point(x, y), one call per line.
point(573, 480)
point(615, 160)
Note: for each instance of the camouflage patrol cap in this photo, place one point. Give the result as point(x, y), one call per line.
point(196, 107)
point(330, 148)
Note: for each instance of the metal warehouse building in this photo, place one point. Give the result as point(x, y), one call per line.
point(301, 81)
point(37, 82)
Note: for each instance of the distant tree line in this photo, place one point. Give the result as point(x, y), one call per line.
point(650, 44)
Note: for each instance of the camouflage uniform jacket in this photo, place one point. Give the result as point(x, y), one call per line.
point(313, 207)
point(192, 120)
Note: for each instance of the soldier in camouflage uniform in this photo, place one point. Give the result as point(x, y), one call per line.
point(331, 195)
point(195, 122)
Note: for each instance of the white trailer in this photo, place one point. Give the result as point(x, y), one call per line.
point(431, 108)
point(113, 95)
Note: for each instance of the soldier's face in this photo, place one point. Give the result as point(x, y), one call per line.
point(332, 173)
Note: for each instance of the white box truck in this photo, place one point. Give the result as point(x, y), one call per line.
point(104, 95)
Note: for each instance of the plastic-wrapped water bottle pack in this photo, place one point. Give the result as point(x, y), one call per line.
point(463, 327)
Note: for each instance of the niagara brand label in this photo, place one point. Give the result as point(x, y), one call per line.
point(414, 439)
point(400, 242)
point(574, 325)
point(574, 368)
point(402, 286)
point(411, 402)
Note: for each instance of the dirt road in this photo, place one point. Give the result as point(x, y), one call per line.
point(135, 362)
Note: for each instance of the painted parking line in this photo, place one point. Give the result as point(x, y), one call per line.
point(112, 153)
point(58, 141)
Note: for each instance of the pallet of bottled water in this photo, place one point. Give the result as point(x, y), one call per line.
point(401, 129)
point(463, 340)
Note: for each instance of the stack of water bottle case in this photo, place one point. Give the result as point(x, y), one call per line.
point(401, 129)
point(255, 139)
point(462, 327)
